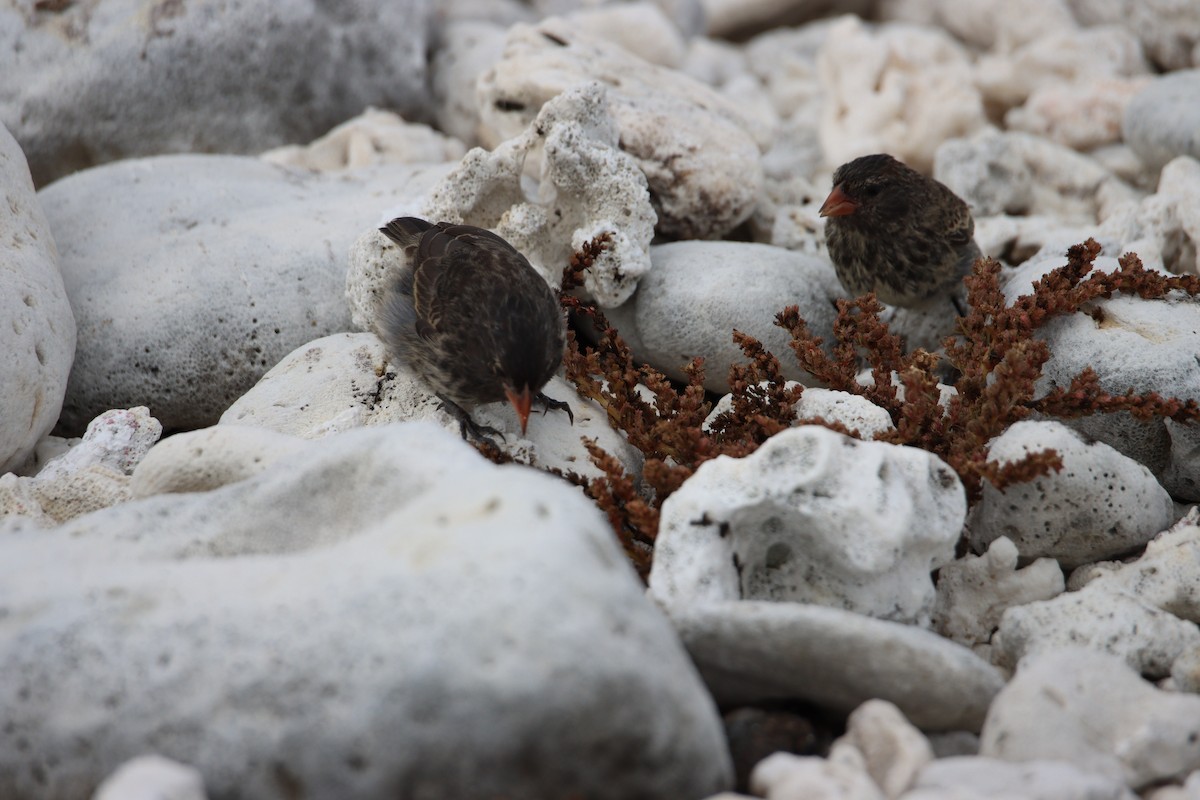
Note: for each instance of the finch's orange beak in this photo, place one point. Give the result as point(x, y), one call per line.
point(838, 204)
point(522, 401)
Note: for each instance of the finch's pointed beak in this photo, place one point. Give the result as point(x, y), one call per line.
point(838, 204)
point(522, 401)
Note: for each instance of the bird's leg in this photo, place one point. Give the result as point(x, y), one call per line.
point(960, 305)
point(483, 433)
point(556, 405)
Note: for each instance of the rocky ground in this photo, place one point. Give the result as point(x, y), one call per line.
point(243, 554)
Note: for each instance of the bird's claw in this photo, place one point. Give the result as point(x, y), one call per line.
point(556, 405)
point(481, 433)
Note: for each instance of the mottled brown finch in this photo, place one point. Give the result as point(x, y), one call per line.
point(893, 231)
point(469, 315)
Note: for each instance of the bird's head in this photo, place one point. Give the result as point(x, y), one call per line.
point(870, 189)
point(525, 368)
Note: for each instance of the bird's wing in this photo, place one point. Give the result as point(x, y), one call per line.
point(450, 260)
point(959, 225)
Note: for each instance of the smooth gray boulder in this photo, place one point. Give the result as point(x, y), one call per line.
point(191, 276)
point(385, 614)
point(88, 82)
point(1162, 121)
point(37, 329)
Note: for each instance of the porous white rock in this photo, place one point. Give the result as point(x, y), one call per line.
point(980, 778)
point(1100, 504)
point(1164, 227)
point(588, 188)
point(784, 776)
point(1169, 30)
point(784, 61)
point(1130, 343)
point(373, 137)
point(37, 328)
point(894, 89)
point(89, 84)
point(1144, 611)
point(192, 275)
point(698, 293)
point(973, 592)
point(152, 778)
point(346, 381)
point(1018, 173)
point(854, 411)
point(812, 516)
point(696, 148)
point(117, 439)
point(318, 610)
point(893, 750)
point(1057, 56)
point(1091, 710)
point(92, 474)
point(759, 651)
point(1102, 617)
point(1162, 120)
point(1079, 115)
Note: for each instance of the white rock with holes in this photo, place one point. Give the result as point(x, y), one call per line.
point(1100, 504)
point(973, 592)
point(854, 411)
point(92, 474)
point(1144, 611)
point(812, 516)
point(696, 148)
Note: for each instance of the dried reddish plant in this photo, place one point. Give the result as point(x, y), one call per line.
point(998, 360)
point(997, 357)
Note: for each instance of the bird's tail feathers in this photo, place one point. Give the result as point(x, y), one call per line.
point(406, 231)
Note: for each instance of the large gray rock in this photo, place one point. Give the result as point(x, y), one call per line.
point(190, 276)
point(37, 330)
point(385, 614)
point(1162, 121)
point(697, 293)
point(85, 83)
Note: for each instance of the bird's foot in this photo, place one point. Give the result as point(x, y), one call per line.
point(481, 433)
point(557, 405)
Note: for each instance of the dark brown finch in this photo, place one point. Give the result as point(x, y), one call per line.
point(470, 316)
point(897, 233)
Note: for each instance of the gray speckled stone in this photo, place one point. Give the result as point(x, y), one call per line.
point(698, 292)
point(88, 82)
point(386, 614)
point(191, 276)
point(37, 330)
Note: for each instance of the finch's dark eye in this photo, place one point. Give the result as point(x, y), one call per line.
point(872, 190)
